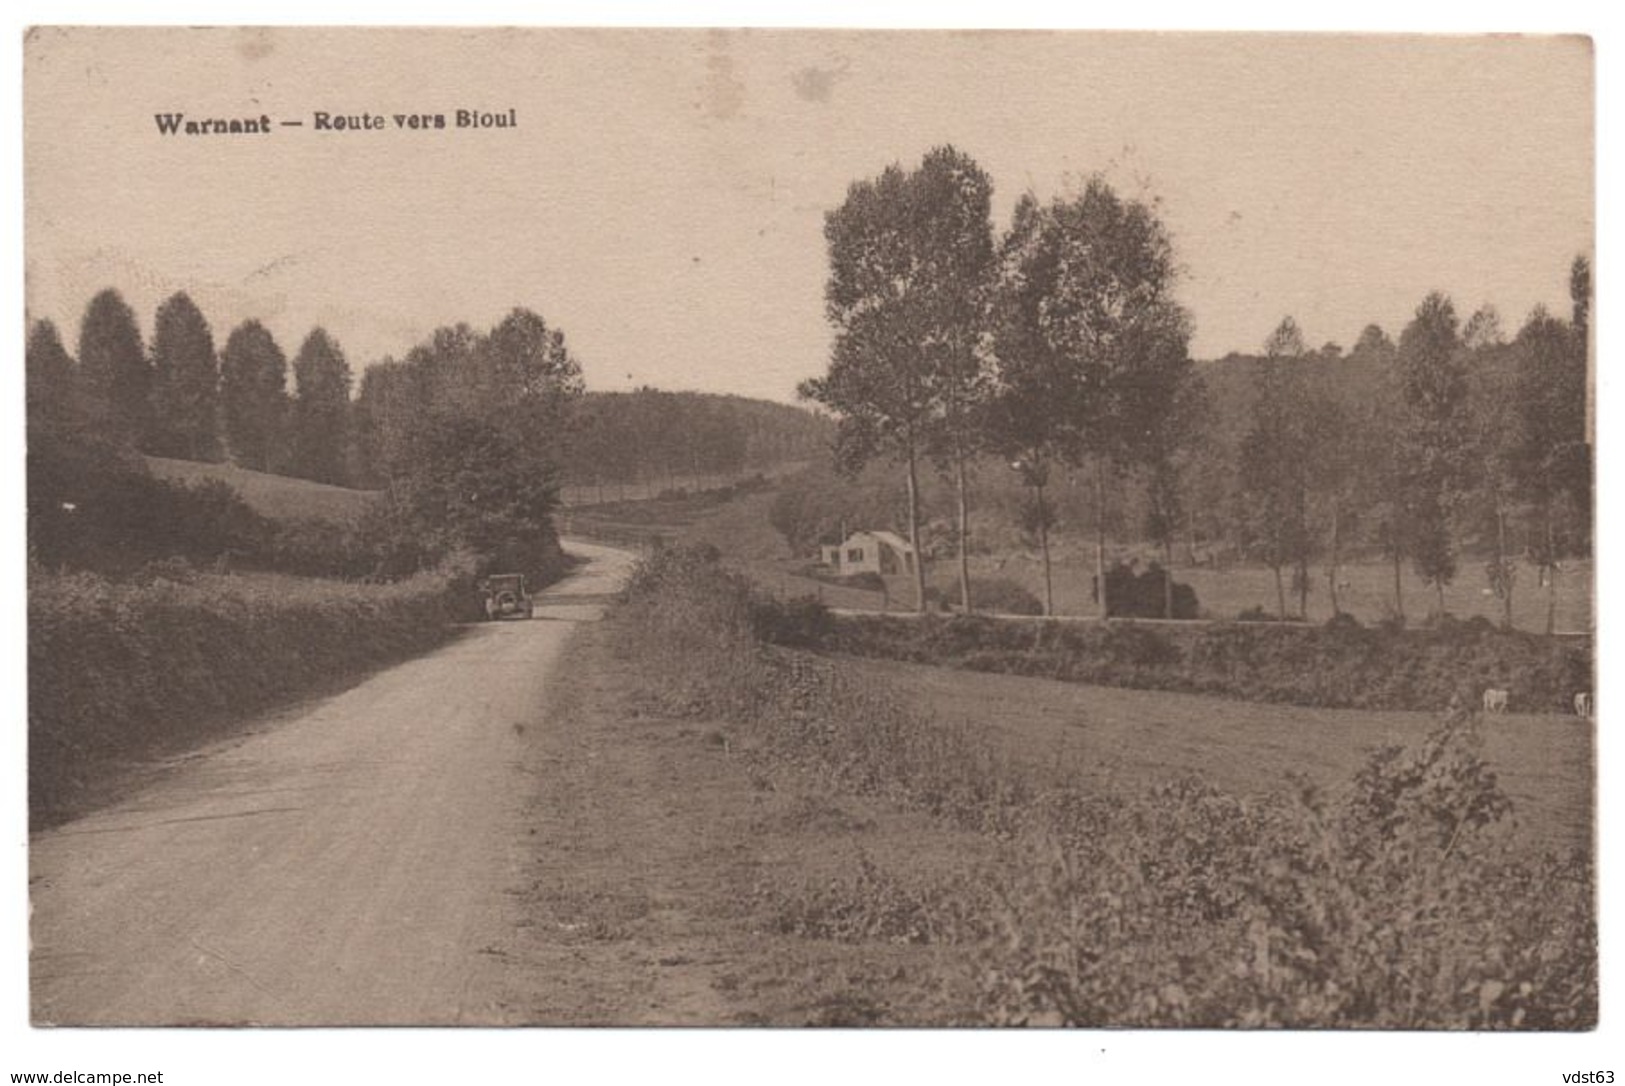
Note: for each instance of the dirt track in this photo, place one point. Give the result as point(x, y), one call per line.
point(350, 861)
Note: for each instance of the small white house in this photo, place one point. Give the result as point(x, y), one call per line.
point(869, 552)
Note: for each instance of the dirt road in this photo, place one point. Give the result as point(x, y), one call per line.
point(350, 861)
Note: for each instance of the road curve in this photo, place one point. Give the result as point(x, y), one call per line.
point(347, 862)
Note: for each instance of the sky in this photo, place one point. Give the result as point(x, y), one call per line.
point(662, 195)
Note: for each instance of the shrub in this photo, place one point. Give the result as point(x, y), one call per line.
point(1002, 595)
point(868, 580)
point(1397, 906)
point(95, 510)
point(116, 667)
point(318, 548)
point(1138, 646)
point(175, 569)
point(802, 622)
point(877, 904)
point(1143, 595)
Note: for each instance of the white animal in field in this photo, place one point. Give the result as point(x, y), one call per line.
point(1495, 701)
point(1582, 705)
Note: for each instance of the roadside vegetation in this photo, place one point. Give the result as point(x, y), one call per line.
point(1338, 665)
point(147, 664)
point(1399, 899)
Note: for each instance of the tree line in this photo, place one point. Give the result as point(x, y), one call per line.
point(462, 438)
point(635, 444)
point(1452, 441)
point(1059, 347)
point(467, 438)
point(180, 397)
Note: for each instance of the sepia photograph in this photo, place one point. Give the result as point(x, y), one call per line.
point(874, 529)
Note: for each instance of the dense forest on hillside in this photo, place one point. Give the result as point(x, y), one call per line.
point(629, 444)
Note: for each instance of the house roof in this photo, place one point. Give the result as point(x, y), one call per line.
point(890, 539)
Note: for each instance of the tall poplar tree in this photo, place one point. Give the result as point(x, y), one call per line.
point(51, 392)
point(535, 381)
point(115, 375)
point(321, 408)
point(1092, 347)
point(1029, 422)
point(1435, 438)
point(1276, 455)
point(254, 397)
point(908, 253)
point(1552, 458)
point(186, 383)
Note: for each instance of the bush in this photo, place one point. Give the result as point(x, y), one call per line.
point(91, 508)
point(1343, 621)
point(1138, 646)
point(114, 668)
point(1001, 595)
point(176, 570)
point(319, 548)
point(1143, 595)
point(1189, 907)
point(803, 622)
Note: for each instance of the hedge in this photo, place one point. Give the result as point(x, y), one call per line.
point(116, 667)
point(1340, 665)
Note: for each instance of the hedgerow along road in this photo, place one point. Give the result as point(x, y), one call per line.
point(346, 862)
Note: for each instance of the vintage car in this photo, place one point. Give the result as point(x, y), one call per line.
point(505, 596)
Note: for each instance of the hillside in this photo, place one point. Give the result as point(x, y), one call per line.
point(631, 444)
point(278, 497)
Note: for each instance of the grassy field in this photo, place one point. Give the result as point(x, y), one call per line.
point(275, 496)
point(1111, 739)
